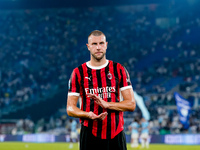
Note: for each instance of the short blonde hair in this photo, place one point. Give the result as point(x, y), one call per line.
point(96, 33)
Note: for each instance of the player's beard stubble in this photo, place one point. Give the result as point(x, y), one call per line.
point(98, 58)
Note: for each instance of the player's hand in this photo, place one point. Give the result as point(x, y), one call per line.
point(98, 100)
point(101, 116)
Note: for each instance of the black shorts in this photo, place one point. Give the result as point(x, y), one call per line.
point(89, 142)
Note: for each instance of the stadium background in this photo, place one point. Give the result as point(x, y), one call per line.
point(42, 41)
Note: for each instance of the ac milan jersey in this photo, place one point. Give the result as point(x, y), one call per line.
point(107, 82)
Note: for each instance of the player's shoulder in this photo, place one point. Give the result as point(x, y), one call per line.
point(116, 63)
point(79, 67)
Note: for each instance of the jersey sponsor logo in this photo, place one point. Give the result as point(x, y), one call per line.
point(103, 92)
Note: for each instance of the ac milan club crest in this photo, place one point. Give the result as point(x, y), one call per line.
point(109, 75)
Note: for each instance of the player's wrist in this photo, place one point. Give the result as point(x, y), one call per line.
point(88, 115)
point(108, 105)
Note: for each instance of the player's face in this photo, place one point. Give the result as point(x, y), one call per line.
point(97, 46)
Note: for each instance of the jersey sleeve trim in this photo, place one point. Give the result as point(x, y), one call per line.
point(73, 94)
point(126, 87)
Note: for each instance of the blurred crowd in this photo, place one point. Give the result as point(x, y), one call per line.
point(162, 121)
point(158, 44)
point(57, 124)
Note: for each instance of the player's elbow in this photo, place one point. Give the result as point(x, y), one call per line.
point(69, 111)
point(132, 106)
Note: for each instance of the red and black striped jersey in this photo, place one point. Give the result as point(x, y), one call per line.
point(106, 81)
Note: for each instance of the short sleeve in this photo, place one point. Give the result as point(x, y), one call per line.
point(125, 82)
point(74, 85)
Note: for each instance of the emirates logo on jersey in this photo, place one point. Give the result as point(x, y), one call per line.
point(103, 92)
point(98, 90)
point(109, 75)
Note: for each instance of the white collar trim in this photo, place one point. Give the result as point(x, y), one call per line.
point(98, 67)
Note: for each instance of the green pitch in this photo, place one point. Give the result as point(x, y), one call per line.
point(65, 146)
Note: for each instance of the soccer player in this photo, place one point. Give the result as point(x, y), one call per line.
point(73, 133)
point(144, 133)
point(134, 127)
point(100, 84)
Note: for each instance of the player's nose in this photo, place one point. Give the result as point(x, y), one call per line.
point(98, 46)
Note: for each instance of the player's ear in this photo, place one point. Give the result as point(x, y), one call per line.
point(87, 45)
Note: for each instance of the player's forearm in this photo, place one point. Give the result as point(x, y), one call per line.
point(122, 106)
point(76, 112)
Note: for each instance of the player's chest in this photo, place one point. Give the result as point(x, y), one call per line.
point(98, 78)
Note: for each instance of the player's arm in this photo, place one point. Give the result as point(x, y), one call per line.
point(72, 99)
point(130, 127)
point(74, 111)
point(148, 127)
point(128, 104)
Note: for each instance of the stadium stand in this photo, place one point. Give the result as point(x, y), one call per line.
point(40, 47)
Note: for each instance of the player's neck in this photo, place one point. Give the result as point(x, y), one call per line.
point(96, 63)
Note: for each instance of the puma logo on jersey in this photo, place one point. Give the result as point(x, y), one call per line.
point(89, 78)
